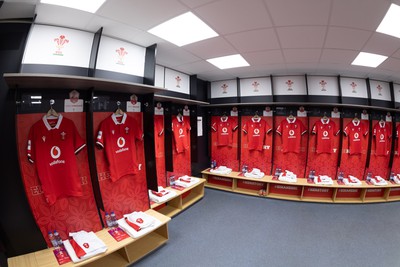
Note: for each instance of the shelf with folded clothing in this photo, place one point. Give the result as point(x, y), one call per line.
point(181, 200)
point(120, 253)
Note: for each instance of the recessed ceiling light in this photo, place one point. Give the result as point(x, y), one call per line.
point(390, 23)
point(85, 5)
point(228, 62)
point(368, 60)
point(184, 29)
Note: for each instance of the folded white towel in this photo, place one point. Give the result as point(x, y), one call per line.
point(221, 170)
point(255, 173)
point(288, 176)
point(135, 234)
point(352, 181)
point(88, 241)
point(186, 181)
point(140, 218)
point(162, 196)
point(396, 179)
point(377, 180)
point(323, 179)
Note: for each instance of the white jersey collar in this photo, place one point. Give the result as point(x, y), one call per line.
point(325, 121)
point(114, 118)
point(291, 121)
point(46, 122)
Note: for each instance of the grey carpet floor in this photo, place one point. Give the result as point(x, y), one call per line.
point(228, 229)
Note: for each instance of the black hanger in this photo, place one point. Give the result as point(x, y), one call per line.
point(256, 115)
point(291, 117)
point(325, 117)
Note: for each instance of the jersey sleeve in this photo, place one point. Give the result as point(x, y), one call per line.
point(336, 129)
point(245, 127)
point(279, 128)
point(214, 126)
point(234, 124)
point(30, 149)
point(346, 130)
point(302, 128)
point(138, 134)
point(100, 136)
point(365, 129)
point(79, 143)
point(268, 128)
point(314, 128)
point(159, 125)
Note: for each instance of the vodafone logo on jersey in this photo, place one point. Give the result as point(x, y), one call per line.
point(381, 137)
point(55, 152)
point(224, 130)
point(325, 133)
point(121, 142)
point(180, 131)
point(256, 131)
point(356, 137)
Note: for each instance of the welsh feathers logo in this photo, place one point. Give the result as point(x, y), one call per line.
point(60, 42)
point(224, 88)
point(121, 53)
point(353, 86)
point(178, 81)
point(379, 88)
point(323, 84)
point(255, 85)
point(289, 84)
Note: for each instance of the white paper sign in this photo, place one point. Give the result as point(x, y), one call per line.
point(76, 106)
point(256, 87)
point(352, 87)
point(58, 46)
point(132, 107)
point(301, 113)
point(119, 56)
point(324, 86)
point(267, 113)
point(396, 89)
point(199, 126)
point(380, 90)
point(158, 111)
point(222, 89)
point(335, 114)
point(290, 85)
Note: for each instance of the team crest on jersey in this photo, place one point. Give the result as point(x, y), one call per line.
point(63, 134)
point(126, 130)
point(44, 138)
point(112, 131)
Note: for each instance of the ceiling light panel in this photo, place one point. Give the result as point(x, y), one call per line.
point(368, 60)
point(228, 62)
point(184, 29)
point(391, 21)
point(87, 5)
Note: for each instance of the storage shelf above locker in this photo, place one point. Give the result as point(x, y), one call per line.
point(55, 81)
point(305, 104)
point(302, 190)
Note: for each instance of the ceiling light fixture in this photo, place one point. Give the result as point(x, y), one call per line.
point(87, 5)
point(390, 23)
point(184, 29)
point(228, 62)
point(368, 60)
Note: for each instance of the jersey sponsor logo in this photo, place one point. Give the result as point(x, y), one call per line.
point(180, 131)
point(291, 134)
point(325, 133)
point(256, 131)
point(224, 130)
point(55, 152)
point(121, 142)
point(382, 137)
point(356, 136)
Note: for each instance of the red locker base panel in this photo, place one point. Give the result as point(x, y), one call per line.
point(291, 190)
point(220, 180)
point(184, 195)
point(319, 192)
point(394, 192)
point(250, 185)
point(348, 193)
point(376, 192)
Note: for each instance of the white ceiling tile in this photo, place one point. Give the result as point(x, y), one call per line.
point(174, 57)
point(229, 16)
point(257, 40)
point(210, 48)
point(264, 58)
point(295, 13)
point(345, 38)
point(142, 14)
point(11, 10)
point(196, 3)
point(396, 54)
point(390, 64)
point(302, 55)
point(359, 14)
point(382, 44)
point(338, 56)
point(301, 36)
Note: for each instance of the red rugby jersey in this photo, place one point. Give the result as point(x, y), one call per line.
point(53, 149)
point(382, 132)
point(291, 131)
point(181, 131)
point(355, 130)
point(118, 136)
point(325, 131)
point(256, 129)
point(224, 128)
